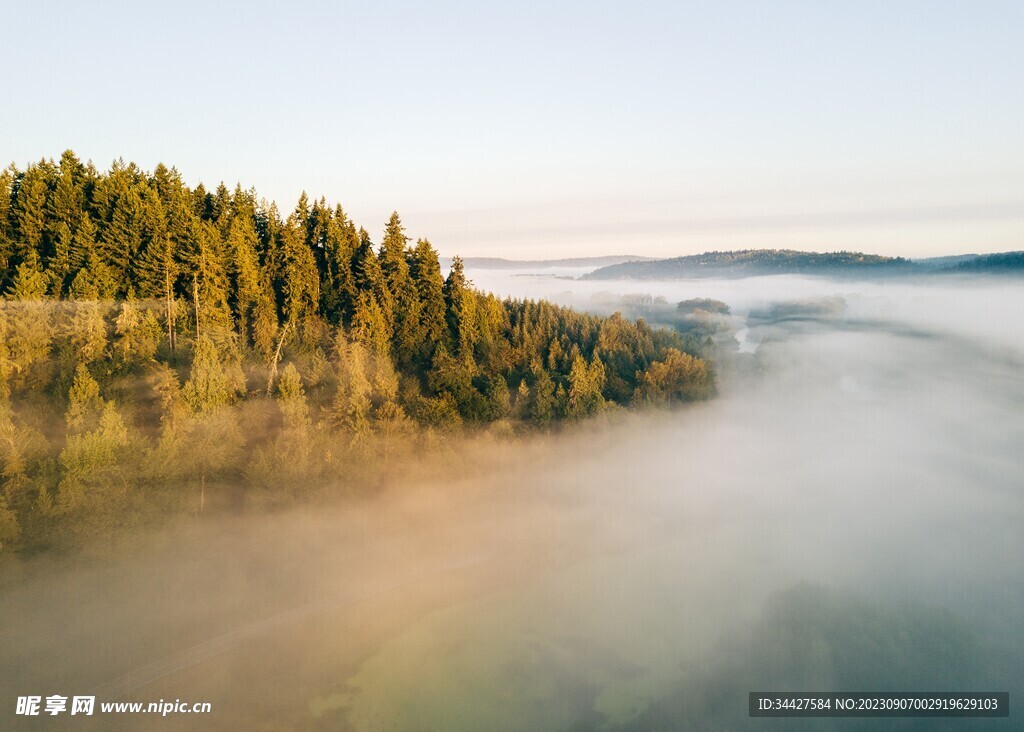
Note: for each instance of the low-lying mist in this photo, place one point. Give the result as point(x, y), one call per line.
point(844, 516)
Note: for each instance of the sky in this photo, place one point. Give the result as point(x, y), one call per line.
point(530, 130)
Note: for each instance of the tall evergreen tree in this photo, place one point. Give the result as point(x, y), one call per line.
point(407, 332)
point(338, 289)
point(94, 279)
point(67, 203)
point(460, 307)
point(425, 270)
point(206, 263)
point(29, 204)
point(212, 383)
point(298, 280)
point(7, 177)
point(121, 233)
point(351, 406)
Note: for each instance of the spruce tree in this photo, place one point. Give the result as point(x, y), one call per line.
point(425, 270)
point(298, 280)
point(212, 383)
point(460, 309)
point(338, 290)
point(407, 333)
point(206, 263)
point(138, 334)
point(29, 204)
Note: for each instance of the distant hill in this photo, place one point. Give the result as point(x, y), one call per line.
point(938, 263)
point(750, 262)
point(1002, 263)
point(753, 262)
point(498, 263)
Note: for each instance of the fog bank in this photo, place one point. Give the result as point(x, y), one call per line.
point(846, 515)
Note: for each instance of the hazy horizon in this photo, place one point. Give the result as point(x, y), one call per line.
point(571, 129)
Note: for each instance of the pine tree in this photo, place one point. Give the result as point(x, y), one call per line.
point(29, 327)
point(522, 403)
point(94, 279)
point(288, 460)
point(87, 333)
point(454, 377)
point(425, 270)
point(93, 468)
point(85, 405)
point(678, 377)
point(65, 209)
point(59, 269)
point(7, 177)
point(29, 205)
point(221, 213)
point(24, 463)
point(67, 203)
point(545, 405)
point(371, 328)
point(200, 437)
point(212, 383)
point(499, 401)
point(121, 237)
point(370, 280)
point(298, 281)
point(245, 274)
point(338, 290)
point(156, 275)
point(585, 384)
point(352, 405)
point(407, 332)
point(265, 326)
point(460, 307)
point(291, 399)
point(206, 264)
point(138, 334)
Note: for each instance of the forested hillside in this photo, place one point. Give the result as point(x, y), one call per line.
point(1000, 263)
point(162, 348)
point(748, 262)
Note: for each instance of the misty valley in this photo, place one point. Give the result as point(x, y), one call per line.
point(845, 515)
point(321, 483)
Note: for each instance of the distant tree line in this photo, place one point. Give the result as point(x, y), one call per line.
point(159, 342)
point(749, 262)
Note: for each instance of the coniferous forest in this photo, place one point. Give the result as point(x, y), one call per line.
point(167, 351)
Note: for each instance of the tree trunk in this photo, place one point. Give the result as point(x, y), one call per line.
point(169, 297)
point(195, 295)
point(277, 357)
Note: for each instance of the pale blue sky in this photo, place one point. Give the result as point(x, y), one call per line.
point(526, 130)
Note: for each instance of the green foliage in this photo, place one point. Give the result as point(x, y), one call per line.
point(120, 285)
point(425, 271)
point(291, 398)
point(87, 333)
point(351, 408)
point(29, 282)
point(544, 407)
point(23, 454)
point(90, 462)
point(407, 332)
point(138, 334)
point(27, 341)
point(84, 402)
point(679, 377)
point(585, 384)
point(212, 383)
